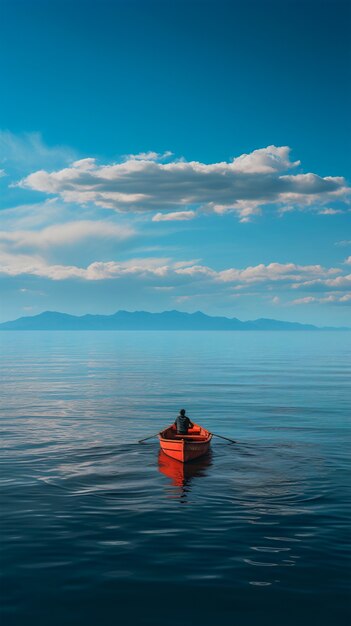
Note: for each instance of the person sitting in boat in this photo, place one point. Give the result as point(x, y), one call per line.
point(183, 423)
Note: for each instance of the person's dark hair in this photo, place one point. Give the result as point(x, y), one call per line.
point(182, 411)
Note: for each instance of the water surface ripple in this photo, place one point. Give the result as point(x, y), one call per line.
point(98, 529)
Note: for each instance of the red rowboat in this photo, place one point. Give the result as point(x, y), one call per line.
point(187, 447)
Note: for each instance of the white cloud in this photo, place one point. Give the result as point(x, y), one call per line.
point(348, 260)
point(339, 282)
point(175, 216)
point(64, 234)
point(329, 299)
point(84, 164)
point(276, 272)
point(15, 265)
point(264, 161)
point(243, 186)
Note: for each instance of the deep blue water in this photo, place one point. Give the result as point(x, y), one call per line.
point(96, 529)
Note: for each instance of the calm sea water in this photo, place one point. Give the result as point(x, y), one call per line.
point(97, 529)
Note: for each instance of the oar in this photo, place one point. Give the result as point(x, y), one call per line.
point(146, 438)
point(226, 438)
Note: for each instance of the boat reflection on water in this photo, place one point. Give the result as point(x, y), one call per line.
point(181, 474)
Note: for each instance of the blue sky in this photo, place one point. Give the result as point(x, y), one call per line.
point(190, 155)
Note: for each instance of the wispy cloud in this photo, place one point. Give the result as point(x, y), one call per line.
point(329, 211)
point(64, 234)
point(26, 151)
point(243, 186)
point(176, 216)
point(149, 156)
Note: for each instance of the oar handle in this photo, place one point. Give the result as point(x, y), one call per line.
point(146, 438)
point(226, 438)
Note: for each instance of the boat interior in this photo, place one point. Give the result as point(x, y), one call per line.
point(194, 434)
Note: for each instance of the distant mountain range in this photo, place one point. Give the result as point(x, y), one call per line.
point(142, 320)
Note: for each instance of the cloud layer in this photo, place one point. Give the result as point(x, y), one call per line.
point(178, 272)
point(142, 183)
point(27, 254)
point(64, 243)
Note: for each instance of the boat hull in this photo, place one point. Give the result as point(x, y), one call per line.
point(185, 448)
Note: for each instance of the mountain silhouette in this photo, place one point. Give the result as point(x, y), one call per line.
point(143, 320)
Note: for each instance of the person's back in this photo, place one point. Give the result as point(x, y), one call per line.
point(183, 423)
